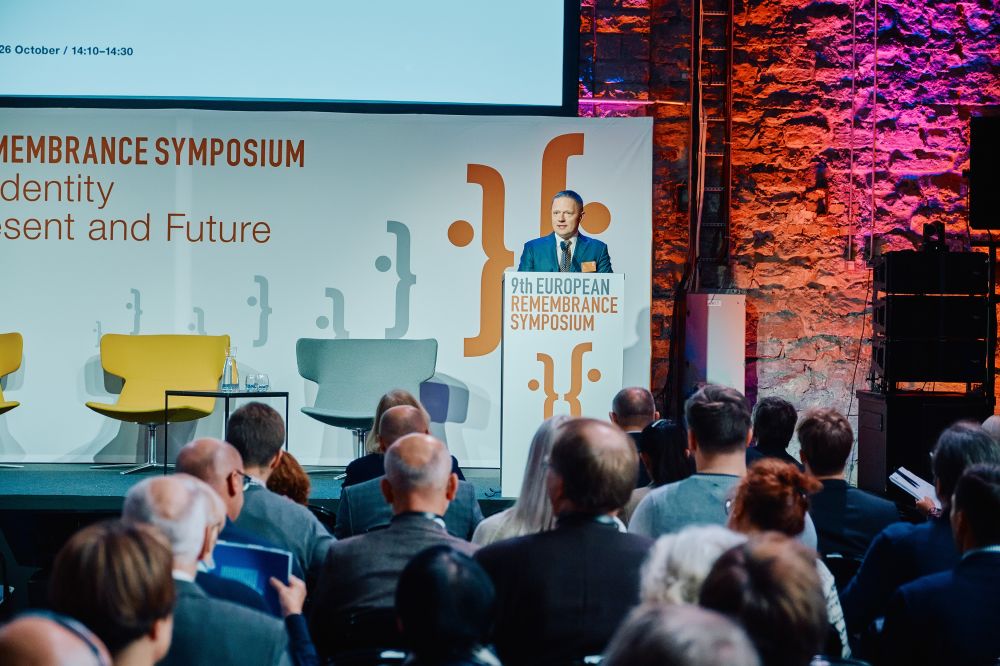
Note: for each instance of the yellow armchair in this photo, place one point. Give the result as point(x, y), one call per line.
point(11, 346)
point(152, 364)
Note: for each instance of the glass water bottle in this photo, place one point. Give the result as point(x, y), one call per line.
point(230, 374)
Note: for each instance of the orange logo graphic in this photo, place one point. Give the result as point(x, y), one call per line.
point(596, 220)
point(572, 398)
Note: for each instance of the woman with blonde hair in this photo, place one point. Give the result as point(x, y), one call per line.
point(532, 511)
point(393, 398)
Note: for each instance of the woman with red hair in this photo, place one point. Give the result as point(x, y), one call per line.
point(774, 497)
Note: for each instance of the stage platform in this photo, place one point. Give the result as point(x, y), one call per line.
point(41, 505)
point(76, 487)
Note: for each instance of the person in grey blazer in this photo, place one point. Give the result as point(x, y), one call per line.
point(207, 630)
point(353, 600)
point(362, 506)
point(257, 432)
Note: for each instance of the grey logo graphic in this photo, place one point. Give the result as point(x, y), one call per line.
point(403, 286)
point(99, 334)
point(198, 326)
point(336, 320)
point(136, 310)
point(265, 309)
point(406, 278)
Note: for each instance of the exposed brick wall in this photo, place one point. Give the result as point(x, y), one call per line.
point(797, 213)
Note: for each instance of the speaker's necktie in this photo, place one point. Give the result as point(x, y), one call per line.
point(564, 264)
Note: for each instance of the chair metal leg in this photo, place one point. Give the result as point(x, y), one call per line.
point(150, 451)
point(150, 455)
point(359, 450)
point(359, 442)
point(10, 466)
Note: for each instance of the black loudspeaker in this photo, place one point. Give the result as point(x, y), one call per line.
point(931, 318)
point(936, 317)
point(912, 272)
point(900, 430)
point(984, 168)
point(962, 361)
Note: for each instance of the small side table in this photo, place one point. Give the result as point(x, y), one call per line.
point(226, 397)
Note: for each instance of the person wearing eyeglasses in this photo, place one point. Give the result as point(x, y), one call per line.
point(220, 465)
point(258, 433)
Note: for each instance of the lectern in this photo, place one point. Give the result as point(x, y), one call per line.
point(563, 337)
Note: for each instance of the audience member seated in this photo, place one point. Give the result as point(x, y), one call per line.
point(48, 639)
point(561, 594)
point(116, 579)
point(992, 426)
point(769, 585)
point(846, 519)
point(363, 506)
point(657, 635)
point(371, 466)
point(632, 409)
point(718, 421)
point(773, 425)
point(774, 496)
point(213, 584)
point(290, 480)
point(532, 511)
point(444, 606)
point(258, 433)
point(219, 464)
point(678, 563)
point(904, 552)
point(664, 453)
point(353, 603)
point(208, 630)
point(952, 617)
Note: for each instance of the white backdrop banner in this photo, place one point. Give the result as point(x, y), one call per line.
point(271, 227)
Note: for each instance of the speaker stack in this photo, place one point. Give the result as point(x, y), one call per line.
point(932, 324)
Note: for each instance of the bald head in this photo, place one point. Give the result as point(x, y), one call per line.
point(418, 475)
point(399, 421)
point(633, 408)
point(50, 641)
point(218, 464)
point(209, 459)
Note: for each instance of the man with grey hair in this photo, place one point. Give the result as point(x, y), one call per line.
point(992, 426)
point(353, 603)
point(679, 563)
point(209, 630)
point(362, 506)
point(654, 635)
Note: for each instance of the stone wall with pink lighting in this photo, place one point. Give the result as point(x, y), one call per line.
point(804, 184)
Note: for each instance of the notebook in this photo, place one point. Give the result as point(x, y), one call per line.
point(253, 566)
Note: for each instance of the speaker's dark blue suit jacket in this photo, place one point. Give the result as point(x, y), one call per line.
point(540, 256)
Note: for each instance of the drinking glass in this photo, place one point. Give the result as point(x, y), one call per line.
point(263, 382)
point(251, 383)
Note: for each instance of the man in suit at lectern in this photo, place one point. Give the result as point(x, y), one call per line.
point(565, 250)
